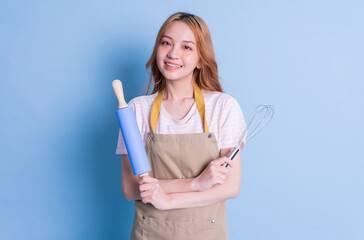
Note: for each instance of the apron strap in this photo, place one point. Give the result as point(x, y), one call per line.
point(200, 104)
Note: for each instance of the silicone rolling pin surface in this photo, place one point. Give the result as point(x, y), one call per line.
point(131, 134)
point(133, 141)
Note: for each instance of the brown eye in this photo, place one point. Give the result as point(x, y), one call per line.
point(165, 43)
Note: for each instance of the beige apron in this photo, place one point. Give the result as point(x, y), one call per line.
point(180, 156)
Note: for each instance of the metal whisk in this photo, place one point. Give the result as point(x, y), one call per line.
point(254, 126)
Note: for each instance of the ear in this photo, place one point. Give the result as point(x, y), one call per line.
point(199, 65)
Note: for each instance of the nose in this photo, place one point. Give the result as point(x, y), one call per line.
point(174, 52)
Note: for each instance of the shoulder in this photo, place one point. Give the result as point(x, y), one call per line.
point(143, 99)
point(142, 102)
point(220, 99)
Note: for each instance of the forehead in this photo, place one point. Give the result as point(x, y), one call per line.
point(179, 31)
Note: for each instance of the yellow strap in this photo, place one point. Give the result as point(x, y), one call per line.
point(200, 103)
point(156, 107)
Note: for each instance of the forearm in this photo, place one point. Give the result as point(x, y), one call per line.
point(182, 185)
point(210, 196)
point(219, 192)
point(129, 182)
point(178, 185)
point(130, 189)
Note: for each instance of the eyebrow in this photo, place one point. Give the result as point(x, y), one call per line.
point(182, 41)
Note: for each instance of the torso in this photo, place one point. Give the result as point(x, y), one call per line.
point(177, 156)
point(223, 115)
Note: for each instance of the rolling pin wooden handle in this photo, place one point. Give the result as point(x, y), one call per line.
point(143, 174)
point(118, 90)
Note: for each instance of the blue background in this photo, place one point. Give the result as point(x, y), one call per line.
point(302, 176)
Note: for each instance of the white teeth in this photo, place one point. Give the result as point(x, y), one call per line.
point(171, 65)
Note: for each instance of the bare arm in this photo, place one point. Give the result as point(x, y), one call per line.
point(129, 182)
point(210, 176)
point(152, 191)
point(178, 185)
point(219, 192)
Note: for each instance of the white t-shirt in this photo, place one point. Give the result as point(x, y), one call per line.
point(223, 115)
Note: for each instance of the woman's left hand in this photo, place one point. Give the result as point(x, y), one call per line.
point(151, 192)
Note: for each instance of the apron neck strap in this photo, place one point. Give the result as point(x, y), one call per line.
point(200, 104)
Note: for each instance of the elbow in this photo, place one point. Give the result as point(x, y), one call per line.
point(130, 188)
point(234, 192)
point(128, 194)
point(129, 198)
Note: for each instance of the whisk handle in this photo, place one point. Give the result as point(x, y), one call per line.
point(232, 154)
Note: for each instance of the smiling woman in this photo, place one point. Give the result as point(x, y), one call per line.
point(188, 126)
point(206, 74)
point(176, 56)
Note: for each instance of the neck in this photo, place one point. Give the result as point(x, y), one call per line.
point(178, 90)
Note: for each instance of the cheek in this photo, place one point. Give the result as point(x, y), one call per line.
point(161, 51)
point(193, 60)
point(159, 57)
point(158, 54)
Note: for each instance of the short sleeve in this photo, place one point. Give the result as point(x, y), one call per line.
point(231, 125)
point(121, 149)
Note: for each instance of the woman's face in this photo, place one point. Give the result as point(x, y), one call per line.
point(177, 52)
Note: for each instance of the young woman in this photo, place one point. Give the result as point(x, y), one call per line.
point(188, 126)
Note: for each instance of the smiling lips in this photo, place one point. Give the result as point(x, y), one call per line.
point(172, 65)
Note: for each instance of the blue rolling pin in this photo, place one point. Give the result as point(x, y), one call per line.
point(131, 134)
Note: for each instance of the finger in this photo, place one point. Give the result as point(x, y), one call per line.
point(144, 179)
point(230, 162)
point(222, 169)
point(146, 199)
point(227, 161)
point(221, 176)
point(217, 162)
point(147, 179)
point(219, 181)
point(222, 160)
point(146, 186)
point(226, 164)
point(146, 194)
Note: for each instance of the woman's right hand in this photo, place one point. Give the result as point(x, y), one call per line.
point(214, 174)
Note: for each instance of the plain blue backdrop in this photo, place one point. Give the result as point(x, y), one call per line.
point(303, 174)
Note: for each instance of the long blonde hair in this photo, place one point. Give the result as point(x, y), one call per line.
point(207, 77)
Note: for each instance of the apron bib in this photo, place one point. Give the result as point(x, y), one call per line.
point(174, 156)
